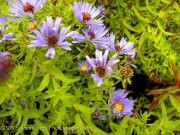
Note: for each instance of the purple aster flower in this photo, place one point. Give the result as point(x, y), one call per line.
point(86, 12)
point(95, 34)
point(122, 47)
point(120, 105)
point(3, 35)
point(5, 66)
point(28, 7)
point(100, 65)
point(50, 36)
point(102, 10)
point(84, 66)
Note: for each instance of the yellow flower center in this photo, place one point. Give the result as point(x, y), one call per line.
point(32, 26)
point(118, 106)
point(84, 68)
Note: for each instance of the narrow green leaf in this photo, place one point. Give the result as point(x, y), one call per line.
point(151, 11)
point(55, 100)
point(161, 14)
point(139, 16)
point(122, 127)
point(33, 73)
point(55, 84)
point(154, 129)
point(94, 130)
point(174, 103)
point(31, 113)
point(83, 108)
point(127, 33)
point(42, 127)
point(8, 113)
point(129, 27)
point(78, 120)
point(44, 83)
point(29, 55)
point(79, 123)
point(60, 115)
point(162, 29)
point(57, 73)
point(164, 114)
point(23, 124)
point(34, 132)
point(18, 118)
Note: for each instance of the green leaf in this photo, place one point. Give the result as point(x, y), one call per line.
point(57, 74)
point(162, 29)
point(41, 127)
point(79, 123)
point(164, 114)
point(60, 115)
point(33, 73)
point(174, 103)
point(44, 83)
point(122, 127)
point(83, 108)
point(31, 113)
point(29, 55)
point(95, 130)
point(23, 124)
point(19, 117)
point(130, 27)
point(55, 100)
point(161, 14)
point(150, 10)
point(139, 16)
point(78, 120)
point(34, 132)
point(8, 113)
point(55, 84)
point(154, 128)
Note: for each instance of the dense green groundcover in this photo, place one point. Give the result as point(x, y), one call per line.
point(51, 96)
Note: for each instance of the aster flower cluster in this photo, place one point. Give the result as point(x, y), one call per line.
point(98, 35)
point(51, 35)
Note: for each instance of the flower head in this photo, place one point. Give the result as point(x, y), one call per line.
point(84, 66)
point(3, 35)
point(122, 47)
point(95, 34)
point(49, 35)
point(22, 7)
point(86, 12)
point(100, 65)
point(127, 71)
point(120, 105)
point(5, 66)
